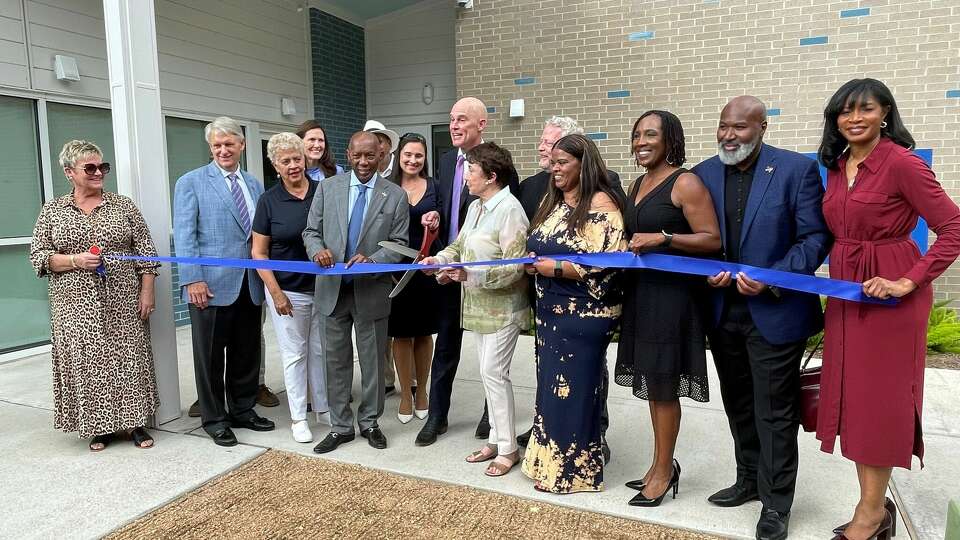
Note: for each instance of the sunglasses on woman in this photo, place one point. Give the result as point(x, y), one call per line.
point(91, 169)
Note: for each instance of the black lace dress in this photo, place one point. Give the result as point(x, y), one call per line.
point(661, 353)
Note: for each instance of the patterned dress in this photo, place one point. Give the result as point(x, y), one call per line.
point(575, 321)
point(103, 377)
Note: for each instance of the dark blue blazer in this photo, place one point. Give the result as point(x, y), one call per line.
point(783, 229)
point(448, 168)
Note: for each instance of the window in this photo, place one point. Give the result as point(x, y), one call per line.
point(68, 122)
point(20, 180)
point(186, 149)
point(25, 317)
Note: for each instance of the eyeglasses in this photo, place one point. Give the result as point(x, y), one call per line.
point(91, 169)
point(414, 137)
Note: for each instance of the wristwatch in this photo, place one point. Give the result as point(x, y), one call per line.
point(557, 268)
point(667, 238)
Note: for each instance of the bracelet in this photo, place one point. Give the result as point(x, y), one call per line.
point(73, 262)
point(557, 269)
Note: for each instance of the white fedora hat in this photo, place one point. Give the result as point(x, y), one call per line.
point(376, 127)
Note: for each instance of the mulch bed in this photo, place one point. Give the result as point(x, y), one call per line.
point(943, 360)
point(285, 495)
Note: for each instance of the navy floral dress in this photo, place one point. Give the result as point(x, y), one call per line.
point(575, 322)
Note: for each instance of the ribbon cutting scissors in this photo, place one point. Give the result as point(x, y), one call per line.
point(428, 238)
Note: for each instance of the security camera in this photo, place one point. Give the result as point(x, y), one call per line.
point(465, 4)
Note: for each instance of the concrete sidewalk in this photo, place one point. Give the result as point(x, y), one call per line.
point(54, 487)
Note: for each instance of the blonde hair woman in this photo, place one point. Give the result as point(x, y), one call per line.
point(103, 377)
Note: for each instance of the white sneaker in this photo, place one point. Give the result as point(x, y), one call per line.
point(301, 432)
point(324, 418)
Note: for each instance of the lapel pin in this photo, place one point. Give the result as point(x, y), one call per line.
point(769, 169)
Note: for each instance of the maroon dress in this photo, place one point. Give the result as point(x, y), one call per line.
point(871, 392)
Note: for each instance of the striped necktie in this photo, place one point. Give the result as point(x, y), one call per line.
point(241, 204)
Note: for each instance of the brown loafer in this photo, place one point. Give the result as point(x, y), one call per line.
point(266, 397)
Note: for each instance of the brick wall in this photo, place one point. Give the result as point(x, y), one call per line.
point(604, 62)
point(339, 78)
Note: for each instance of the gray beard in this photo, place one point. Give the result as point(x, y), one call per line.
point(738, 155)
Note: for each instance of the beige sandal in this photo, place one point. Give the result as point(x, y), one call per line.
point(488, 452)
point(503, 464)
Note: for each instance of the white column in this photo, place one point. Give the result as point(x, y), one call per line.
point(141, 155)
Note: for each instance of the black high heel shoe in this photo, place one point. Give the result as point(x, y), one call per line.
point(640, 484)
point(884, 530)
point(889, 506)
point(642, 500)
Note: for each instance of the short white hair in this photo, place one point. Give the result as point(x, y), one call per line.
point(223, 124)
point(567, 125)
point(283, 142)
point(75, 150)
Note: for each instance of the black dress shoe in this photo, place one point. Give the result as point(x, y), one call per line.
point(605, 450)
point(523, 439)
point(483, 427)
point(772, 525)
point(375, 437)
point(255, 423)
point(734, 495)
point(224, 437)
point(194, 411)
point(332, 441)
point(389, 389)
point(431, 429)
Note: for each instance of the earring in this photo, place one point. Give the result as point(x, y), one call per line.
point(883, 125)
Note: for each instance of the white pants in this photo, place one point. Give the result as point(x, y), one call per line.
point(301, 349)
point(495, 352)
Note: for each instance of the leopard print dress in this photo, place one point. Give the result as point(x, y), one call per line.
point(103, 375)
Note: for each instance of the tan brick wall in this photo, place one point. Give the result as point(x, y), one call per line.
point(700, 55)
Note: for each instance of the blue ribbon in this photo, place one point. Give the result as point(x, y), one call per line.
point(835, 288)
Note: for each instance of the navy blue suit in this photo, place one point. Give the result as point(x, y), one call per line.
point(757, 342)
point(783, 228)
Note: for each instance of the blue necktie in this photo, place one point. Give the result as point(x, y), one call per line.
point(241, 204)
point(356, 223)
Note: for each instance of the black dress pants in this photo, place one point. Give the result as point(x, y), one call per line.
point(226, 359)
point(446, 354)
point(760, 386)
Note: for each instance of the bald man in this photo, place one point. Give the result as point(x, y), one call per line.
point(468, 119)
point(768, 203)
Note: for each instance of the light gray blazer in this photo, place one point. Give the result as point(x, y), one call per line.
point(387, 217)
point(206, 223)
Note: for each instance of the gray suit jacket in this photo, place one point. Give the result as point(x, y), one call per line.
point(387, 217)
